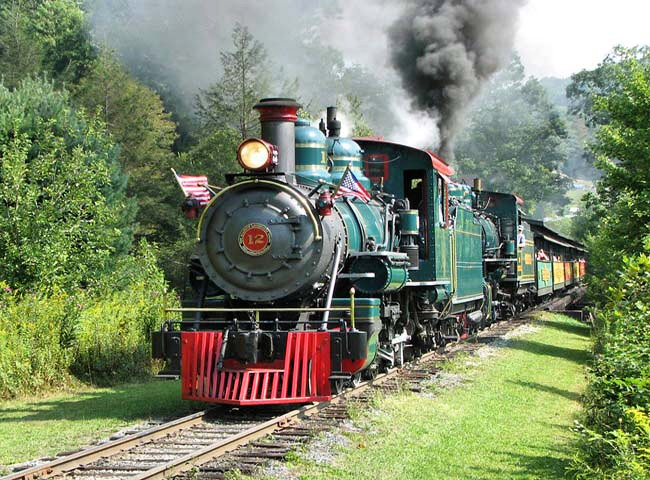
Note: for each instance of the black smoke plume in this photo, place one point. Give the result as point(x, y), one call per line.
point(445, 50)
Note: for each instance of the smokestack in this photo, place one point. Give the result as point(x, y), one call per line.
point(333, 125)
point(278, 117)
point(478, 184)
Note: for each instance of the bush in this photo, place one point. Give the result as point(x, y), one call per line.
point(33, 330)
point(615, 435)
point(102, 335)
point(114, 328)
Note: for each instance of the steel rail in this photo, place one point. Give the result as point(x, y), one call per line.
point(86, 456)
point(187, 462)
point(257, 432)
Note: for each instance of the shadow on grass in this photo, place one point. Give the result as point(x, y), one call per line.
point(574, 328)
point(573, 396)
point(546, 465)
point(126, 403)
point(577, 355)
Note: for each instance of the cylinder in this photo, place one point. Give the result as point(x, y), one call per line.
point(413, 252)
point(478, 184)
point(333, 125)
point(387, 276)
point(278, 117)
point(409, 232)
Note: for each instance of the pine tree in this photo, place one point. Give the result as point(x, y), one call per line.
point(136, 118)
point(229, 102)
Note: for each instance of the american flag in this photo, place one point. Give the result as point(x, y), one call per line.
point(194, 187)
point(350, 186)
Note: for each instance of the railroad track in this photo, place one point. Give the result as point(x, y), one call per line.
point(214, 438)
point(255, 455)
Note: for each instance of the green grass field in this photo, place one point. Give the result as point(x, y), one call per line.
point(511, 418)
point(46, 426)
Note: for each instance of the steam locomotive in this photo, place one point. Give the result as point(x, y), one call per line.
point(298, 291)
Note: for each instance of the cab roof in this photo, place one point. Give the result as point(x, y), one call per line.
point(437, 162)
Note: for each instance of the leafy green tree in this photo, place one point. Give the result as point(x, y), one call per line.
point(64, 215)
point(360, 126)
point(136, 118)
point(59, 26)
point(21, 54)
point(514, 139)
point(622, 148)
point(38, 36)
point(214, 155)
point(615, 96)
point(229, 102)
point(589, 85)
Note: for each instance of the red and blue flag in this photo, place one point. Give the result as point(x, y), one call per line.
point(194, 186)
point(350, 186)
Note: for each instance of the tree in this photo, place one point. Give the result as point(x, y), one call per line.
point(64, 215)
point(360, 127)
point(616, 96)
point(514, 138)
point(229, 102)
point(38, 36)
point(214, 155)
point(21, 54)
point(326, 79)
point(622, 148)
point(588, 85)
point(59, 26)
point(136, 118)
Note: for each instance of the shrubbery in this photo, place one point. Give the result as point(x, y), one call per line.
point(101, 335)
point(114, 328)
point(32, 336)
point(615, 435)
point(615, 430)
point(64, 215)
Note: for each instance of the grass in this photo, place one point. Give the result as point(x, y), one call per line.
point(511, 418)
point(46, 426)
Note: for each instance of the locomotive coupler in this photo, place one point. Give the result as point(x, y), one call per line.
point(251, 347)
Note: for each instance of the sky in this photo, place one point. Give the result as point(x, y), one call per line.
point(555, 37)
point(561, 37)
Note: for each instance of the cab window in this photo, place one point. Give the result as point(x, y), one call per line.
point(442, 203)
point(415, 190)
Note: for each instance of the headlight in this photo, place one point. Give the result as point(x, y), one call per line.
point(256, 154)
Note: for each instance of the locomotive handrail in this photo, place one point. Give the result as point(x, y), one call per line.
point(330, 287)
point(305, 309)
